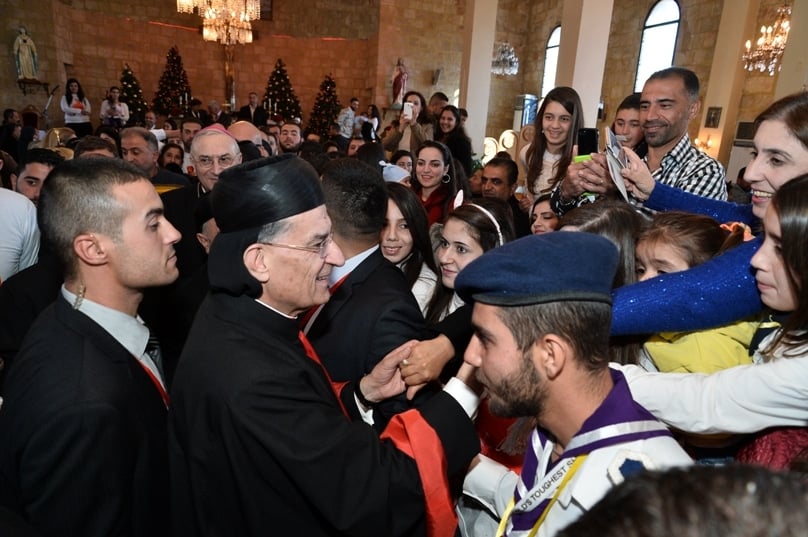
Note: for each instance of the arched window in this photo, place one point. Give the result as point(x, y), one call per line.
point(551, 61)
point(658, 40)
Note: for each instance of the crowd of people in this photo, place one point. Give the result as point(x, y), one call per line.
point(231, 326)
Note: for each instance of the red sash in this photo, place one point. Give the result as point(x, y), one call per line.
point(412, 435)
point(336, 386)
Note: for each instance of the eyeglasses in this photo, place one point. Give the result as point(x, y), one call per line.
point(205, 161)
point(321, 249)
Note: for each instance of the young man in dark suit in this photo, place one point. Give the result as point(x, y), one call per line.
point(83, 449)
point(253, 112)
point(372, 309)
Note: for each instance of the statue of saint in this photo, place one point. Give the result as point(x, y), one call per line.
point(25, 56)
point(399, 84)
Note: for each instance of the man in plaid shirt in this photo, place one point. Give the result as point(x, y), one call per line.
point(670, 99)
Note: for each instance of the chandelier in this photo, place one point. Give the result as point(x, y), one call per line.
point(225, 21)
point(770, 45)
point(505, 61)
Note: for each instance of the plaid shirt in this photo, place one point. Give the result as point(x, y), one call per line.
point(688, 169)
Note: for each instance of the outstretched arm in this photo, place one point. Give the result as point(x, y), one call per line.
point(714, 293)
point(742, 399)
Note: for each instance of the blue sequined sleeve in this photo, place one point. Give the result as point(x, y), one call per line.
point(667, 198)
point(714, 293)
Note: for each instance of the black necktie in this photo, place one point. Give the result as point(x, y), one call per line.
point(154, 352)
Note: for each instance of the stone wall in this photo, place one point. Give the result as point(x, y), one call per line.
point(357, 43)
point(428, 36)
point(78, 39)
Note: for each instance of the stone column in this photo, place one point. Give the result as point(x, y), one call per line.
point(585, 26)
point(475, 71)
point(727, 75)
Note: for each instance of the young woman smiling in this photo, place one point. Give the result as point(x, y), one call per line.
point(405, 241)
point(434, 180)
point(548, 156)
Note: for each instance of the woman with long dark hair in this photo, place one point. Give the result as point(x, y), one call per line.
point(413, 130)
point(773, 391)
point(434, 180)
point(76, 108)
point(470, 230)
point(452, 133)
point(405, 241)
point(370, 124)
point(548, 156)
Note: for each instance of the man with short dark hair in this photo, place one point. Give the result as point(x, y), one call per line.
point(266, 422)
point(86, 399)
point(188, 129)
point(139, 147)
point(33, 171)
point(253, 112)
point(627, 127)
point(541, 343)
point(11, 117)
point(347, 123)
point(372, 309)
point(290, 137)
point(198, 113)
point(499, 181)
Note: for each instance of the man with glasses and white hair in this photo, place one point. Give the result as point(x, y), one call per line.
point(260, 440)
point(213, 150)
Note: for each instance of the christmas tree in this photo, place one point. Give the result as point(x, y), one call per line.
point(279, 97)
point(174, 92)
point(326, 108)
point(132, 95)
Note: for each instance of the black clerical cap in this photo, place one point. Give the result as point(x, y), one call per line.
point(246, 198)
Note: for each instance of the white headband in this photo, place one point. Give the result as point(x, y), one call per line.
point(458, 201)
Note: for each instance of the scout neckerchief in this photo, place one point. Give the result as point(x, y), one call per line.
point(618, 420)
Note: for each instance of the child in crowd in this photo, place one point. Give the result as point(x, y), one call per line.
point(676, 241)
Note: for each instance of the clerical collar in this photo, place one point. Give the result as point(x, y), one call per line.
point(282, 314)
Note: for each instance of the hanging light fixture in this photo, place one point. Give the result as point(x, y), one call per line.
point(770, 45)
point(224, 21)
point(505, 61)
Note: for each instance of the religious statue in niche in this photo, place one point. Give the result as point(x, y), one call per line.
point(399, 84)
point(25, 56)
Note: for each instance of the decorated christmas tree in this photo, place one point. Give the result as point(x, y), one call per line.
point(279, 97)
point(132, 95)
point(326, 108)
point(174, 92)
